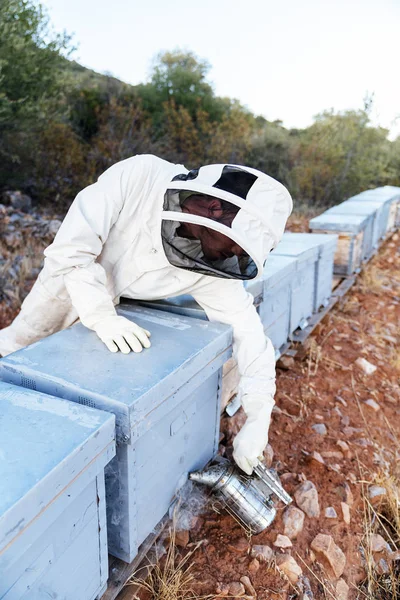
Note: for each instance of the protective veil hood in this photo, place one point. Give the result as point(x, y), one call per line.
point(261, 206)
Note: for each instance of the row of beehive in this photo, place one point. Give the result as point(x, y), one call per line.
point(166, 405)
point(361, 222)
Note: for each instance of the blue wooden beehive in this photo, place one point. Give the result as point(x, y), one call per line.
point(389, 197)
point(53, 541)
point(350, 230)
point(326, 244)
point(372, 211)
point(165, 399)
point(303, 283)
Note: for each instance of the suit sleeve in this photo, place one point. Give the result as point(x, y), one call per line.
point(80, 240)
point(227, 301)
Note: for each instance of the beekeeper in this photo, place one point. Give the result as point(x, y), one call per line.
point(149, 229)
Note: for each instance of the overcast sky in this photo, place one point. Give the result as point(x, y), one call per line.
point(284, 59)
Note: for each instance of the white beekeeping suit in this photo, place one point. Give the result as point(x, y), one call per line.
point(121, 237)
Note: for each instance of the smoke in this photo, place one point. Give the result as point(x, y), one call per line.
point(192, 500)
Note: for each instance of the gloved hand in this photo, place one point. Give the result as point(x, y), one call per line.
point(119, 333)
point(251, 440)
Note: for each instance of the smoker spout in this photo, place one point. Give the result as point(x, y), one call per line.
point(208, 476)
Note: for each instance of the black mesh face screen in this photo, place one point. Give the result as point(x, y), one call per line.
point(236, 181)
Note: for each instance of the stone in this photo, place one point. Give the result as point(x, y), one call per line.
point(365, 366)
point(262, 553)
point(282, 541)
point(285, 363)
point(332, 454)
point(372, 404)
point(342, 590)
point(253, 567)
point(315, 456)
point(343, 445)
point(319, 428)
point(222, 589)
point(18, 200)
point(345, 512)
point(293, 520)
point(239, 546)
point(376, 494)
point(306, 497)
point(182, 538)
point(289, 567)
point(248, 585)
point(268, 456)
point(379, 544)
point(329, 553)
point(330, 513)
point(236, 588)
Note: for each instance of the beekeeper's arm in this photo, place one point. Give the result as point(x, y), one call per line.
point(227, 301)
point(78, 243)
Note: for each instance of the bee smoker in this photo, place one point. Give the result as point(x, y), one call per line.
point(247, 498)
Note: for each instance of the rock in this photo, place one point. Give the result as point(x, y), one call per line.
point(382, 566)
point(349, 431)
point(241, 545)
point(343, 445)
point(262, 553)
point(293, 520)
point(306, 497)
point(342, 590)
point(286, 362)
point(345, 512)
point(372, 404)
point(315, 456)
point(282, 541)
point(268, 456)
point(365, 366)
point(376, 494)
point(379, 544)
point(248, 585)
point(330, 513)
point(332, 454)
point(236, 588)
point(329, 553)
point(289, 567)
point(182, 538)
point(319, 428)
point(222, 589)
point(254, 565)
point(18, 200)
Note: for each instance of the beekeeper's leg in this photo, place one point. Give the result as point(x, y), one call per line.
point(41, 315)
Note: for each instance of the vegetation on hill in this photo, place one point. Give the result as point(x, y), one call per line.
point(61, 124)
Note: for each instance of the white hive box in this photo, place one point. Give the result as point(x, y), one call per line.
point(372, 211)
point(303, 284)
point(165, 399)
point(389, 197)
point(350, 230)
point(53, 541)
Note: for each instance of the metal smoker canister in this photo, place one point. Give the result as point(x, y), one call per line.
point(246, 498)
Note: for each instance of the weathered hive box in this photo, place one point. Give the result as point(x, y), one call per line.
point(303, 284)
point(389, 197)
point(327, 245)
point(165, 400)
point(279, 276)
point(350, 230)
point(372, 211)
point(53, 540)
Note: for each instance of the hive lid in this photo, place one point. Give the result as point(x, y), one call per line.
point(180, 305)
point(45, 443)
point(386, 193)
point(75, 364)
point(339, 222)
point(322, 240)
point(299, 249)
point(355, 208)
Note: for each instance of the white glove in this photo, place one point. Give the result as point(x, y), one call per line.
point(122, 334)
point(251, 440)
